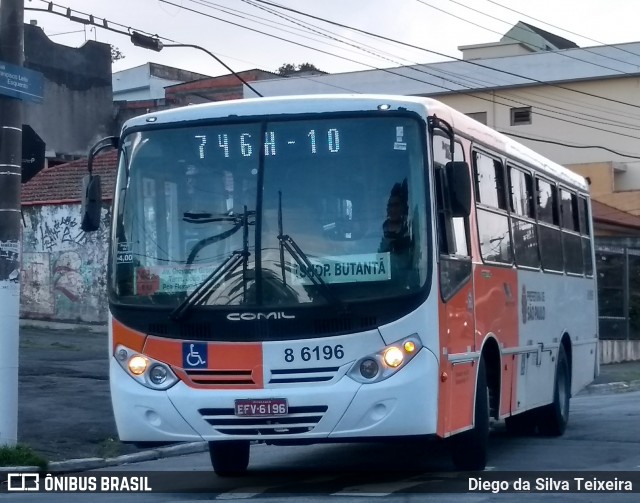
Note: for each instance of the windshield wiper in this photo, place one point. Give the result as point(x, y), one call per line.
point(303, 261)
point(207, 287)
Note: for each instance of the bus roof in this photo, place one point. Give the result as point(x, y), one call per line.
point(323, 103)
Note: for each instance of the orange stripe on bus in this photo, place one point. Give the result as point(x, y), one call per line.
point(127, 337)
point(242, 358)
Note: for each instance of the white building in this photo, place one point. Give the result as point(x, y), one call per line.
point(577, 106)
point(147, 82)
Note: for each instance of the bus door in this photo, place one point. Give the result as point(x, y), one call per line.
point(456, 320)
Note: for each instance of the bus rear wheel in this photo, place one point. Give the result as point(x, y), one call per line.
point(229, 458)
point(469, 449)
point(553, 418)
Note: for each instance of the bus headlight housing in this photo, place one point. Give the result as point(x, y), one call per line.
point(383, 364)
point(146, 371)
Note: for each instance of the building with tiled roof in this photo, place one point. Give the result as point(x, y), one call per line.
point(62, 184)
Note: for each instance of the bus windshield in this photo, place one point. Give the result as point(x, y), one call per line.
point(271, 213)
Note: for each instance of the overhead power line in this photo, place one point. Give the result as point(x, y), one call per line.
point(418, 70)
point(559, 53)
point(553, 142)
point(564, 29)
point(139, 38)
point(470, 62)
point(105, 25)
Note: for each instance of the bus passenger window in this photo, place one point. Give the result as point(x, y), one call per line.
point(549, 232)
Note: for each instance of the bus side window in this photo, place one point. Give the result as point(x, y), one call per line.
point(571, 241)
point(491, 211)
point(585, 218)
point(453, 232)
point(523, 225)
point(548, 226)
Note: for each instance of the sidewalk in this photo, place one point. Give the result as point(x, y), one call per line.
point(65, 411)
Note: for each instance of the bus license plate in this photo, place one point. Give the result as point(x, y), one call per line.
point(261, 407)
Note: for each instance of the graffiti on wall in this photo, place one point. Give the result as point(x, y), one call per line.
point(36, 296)
point(64, 268)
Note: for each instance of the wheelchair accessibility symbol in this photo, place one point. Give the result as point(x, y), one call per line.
point(194, 356)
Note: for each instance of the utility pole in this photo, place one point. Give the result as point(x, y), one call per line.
point(12, 53)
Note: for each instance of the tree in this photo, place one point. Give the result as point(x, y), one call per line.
point(116, 54)
point(293, 69)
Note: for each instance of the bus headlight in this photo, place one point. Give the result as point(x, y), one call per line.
point(393, 357)
point(382, 365)
point(137, 365)
point(146, 371)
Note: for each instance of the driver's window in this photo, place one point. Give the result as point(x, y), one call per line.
point(453, 232)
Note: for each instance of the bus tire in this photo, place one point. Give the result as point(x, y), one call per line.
point(553, 418)
point(469, 449)
point(229, 458)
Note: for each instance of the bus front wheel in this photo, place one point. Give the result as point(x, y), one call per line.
point(229, 458)
point(469, 449)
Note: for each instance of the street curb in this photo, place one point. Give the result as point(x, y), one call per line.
point(136, 457)
point(78, 465)
point(57, 325)
point(612, 387)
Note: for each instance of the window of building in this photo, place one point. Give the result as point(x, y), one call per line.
point(481, 117)
point(520, 116)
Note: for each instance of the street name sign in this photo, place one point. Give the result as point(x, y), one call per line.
point(22, 83)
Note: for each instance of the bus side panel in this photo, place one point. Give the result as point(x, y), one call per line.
point(457, 382)
point(496, 313)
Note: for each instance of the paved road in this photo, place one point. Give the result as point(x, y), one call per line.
point(603, 437)
point(64, 403)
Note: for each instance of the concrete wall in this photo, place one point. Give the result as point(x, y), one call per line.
point(78, 103)
point(63, 268)
point(619, 351)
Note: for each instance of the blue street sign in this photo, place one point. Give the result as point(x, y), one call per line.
point(22, 83)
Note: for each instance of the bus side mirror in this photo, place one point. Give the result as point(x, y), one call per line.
point(459, 183)
point(91, 203)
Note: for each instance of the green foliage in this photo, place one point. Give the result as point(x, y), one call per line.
point(21, 455)
point(116, 54)
point(292, 69)
point(110, 448)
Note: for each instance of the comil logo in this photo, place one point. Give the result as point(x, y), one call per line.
point(21, 482)
point(275, 315)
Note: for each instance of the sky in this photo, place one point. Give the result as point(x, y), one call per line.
point(248, 34)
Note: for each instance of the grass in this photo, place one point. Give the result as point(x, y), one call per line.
point(110, 448)
point(21, 455)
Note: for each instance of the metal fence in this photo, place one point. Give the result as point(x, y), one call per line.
point(618, 270)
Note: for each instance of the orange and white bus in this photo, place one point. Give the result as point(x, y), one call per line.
point(330, 268)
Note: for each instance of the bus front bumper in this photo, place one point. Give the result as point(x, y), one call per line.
point(404, 404)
